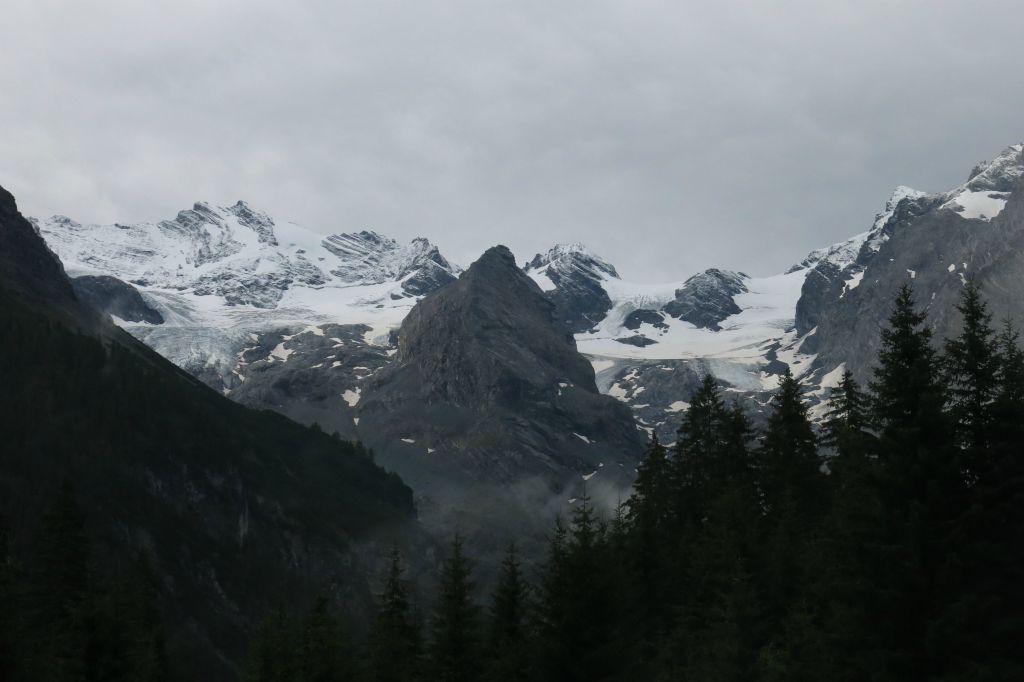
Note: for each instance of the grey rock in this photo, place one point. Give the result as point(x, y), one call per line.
point(707, 298)
point(488, 378)
point(579, 297)
point(114, 297)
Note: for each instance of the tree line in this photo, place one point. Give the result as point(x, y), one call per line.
point(888, 544)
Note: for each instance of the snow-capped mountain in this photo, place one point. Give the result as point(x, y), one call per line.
point(220, 277)
point(246, 300)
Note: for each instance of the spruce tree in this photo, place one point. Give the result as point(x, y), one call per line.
point(1007, 429)
point(971, 365)
point(650, 543)
point(325, 655)
point(832, 622)
point(845, 427)
point(788, 458)
point(394, 651)
point(908, 393)
point(454, 645)
point(578, 617)
point(793, 484)
point(509, 641)
point(699, 440)
point(922, 488)
point(273, 657)
point(983, 613)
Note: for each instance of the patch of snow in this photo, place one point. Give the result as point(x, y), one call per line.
point(408, 440)
point(351, 396)
point(912, 273)
point(984, 205)
point(853, 282)
point(617, 391)
point(581, 437)
point(678, 406)
point(832, 379)
point(281, 353)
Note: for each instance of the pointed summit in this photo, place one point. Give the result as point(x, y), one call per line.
point(489, 353)
point(573, 278)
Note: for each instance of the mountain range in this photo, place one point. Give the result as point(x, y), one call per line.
point(470, 382)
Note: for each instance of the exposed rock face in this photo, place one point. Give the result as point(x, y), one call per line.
point(491, 383)
point(707, 298)
point(114, 297)
point(312, 375)
point(572, 276)
point(369, 258)
point(934, 244)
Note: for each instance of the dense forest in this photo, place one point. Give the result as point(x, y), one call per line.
point(886, 545)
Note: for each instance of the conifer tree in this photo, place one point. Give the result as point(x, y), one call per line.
point(908, 394)
point(978, 630)
point(454, 645)
point(832, 621)
point(846, 423)
point(649, 517)
point(699, 439)
point(578, 616)
point(395, 641)
point(793, 485)
point(1008, 406)
point(971, 367)
point(274, 652)
point(650, 503)
point(325, 655)
point(509, 642)
point(922, 487)
point(788, 457)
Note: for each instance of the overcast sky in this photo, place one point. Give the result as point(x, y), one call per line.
point(667, 136)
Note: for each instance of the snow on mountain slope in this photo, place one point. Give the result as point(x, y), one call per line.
point(766, 313)
point(217, 275)
point(984, 195)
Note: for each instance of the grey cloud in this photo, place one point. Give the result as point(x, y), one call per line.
point(669, 136)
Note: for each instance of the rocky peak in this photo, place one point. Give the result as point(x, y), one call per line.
point(566, 260)
point(369, 258)
point(489, 354)
point(260, 223)
point(708, 297)
point(999, 175)
point(572, 278)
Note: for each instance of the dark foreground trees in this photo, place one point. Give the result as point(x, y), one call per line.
point(885, 543)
